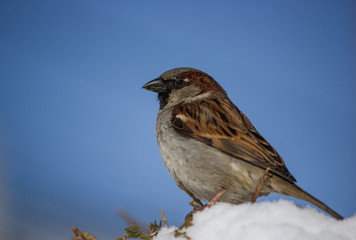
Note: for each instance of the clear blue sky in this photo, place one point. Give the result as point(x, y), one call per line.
point(77, 132)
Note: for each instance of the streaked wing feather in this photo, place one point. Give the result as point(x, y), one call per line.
point(224, 126)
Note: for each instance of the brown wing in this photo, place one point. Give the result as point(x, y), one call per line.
point(222, 125)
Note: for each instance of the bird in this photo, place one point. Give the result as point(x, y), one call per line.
point(211, 149)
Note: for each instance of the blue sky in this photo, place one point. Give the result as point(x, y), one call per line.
point(77, 132)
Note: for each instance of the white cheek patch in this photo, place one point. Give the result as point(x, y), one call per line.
point(182, 95)
point(186, 80)
point(199, 97)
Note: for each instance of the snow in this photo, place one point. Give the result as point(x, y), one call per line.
point(280, 219)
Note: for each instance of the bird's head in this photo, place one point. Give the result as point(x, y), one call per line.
point(183, 85)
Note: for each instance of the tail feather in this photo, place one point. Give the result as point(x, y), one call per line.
point(293, 190)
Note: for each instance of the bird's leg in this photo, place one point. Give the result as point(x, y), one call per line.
point(212, 202)
point(216, 198)
point(264, 178)
point(181, 186)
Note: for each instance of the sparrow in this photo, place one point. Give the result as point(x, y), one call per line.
point(211, 148)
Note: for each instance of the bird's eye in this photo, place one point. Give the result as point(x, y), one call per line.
point(179, 82)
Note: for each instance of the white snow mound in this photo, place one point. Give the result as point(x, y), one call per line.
point(280, 219)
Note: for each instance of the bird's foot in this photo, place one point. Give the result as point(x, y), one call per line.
point(211, 203)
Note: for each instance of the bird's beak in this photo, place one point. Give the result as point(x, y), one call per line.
point(156, 85)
